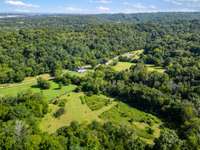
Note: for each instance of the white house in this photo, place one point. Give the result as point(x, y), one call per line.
point(81, 70)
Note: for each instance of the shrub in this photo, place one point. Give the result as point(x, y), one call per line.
point(62, 102)
point(42, 83)
point(78, 89)
point(150, 130)
point(59, 112)
point(82, 100)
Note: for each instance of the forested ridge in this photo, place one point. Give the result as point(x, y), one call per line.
point(62, 20)
point(26, 52)
point(170, 41)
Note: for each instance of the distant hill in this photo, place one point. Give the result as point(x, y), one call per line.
point(41, 20)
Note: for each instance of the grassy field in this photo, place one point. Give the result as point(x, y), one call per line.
point(121, 66)
point(29, 84)
point(137, 54)
point(146, 126)
point(27, 81)
point(96, 102)
point(152, 68)
point(134, 54)
point(84, 109)
point(75, 110)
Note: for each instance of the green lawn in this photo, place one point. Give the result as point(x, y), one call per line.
point(152, 68)
point(135, 54)
point(122, 66)
point(75, 110)
point(117, 112)
point(29, 84)
point(96, 102)
point(123, 114)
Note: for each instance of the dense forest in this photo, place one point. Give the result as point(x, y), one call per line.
point(35, 45)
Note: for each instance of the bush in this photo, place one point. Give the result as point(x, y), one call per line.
point(60, 85)
point(78, 89)
point(150, 130)
point(125, 59)
point(82, 100)
point(62, 102)
point(59, 112)
point(42, 83)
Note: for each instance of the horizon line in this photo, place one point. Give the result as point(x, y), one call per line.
point(46, 13)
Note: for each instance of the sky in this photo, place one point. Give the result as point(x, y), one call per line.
point(98, 6)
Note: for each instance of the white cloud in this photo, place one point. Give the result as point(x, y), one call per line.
point(80, 10)
point(185, 5)
point(102, 9)
point(74, 10)
point(101, 1)
point(139, 8)
point(21, 4)
point(185, 2)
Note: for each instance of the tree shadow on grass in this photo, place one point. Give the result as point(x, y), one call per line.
point(35, 87)
point(57, 88)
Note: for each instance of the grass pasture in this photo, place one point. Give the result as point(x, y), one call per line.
point(75, 110)
point(134, 54)
point(137, 54)
point(29, 84)
point(121, 66)
point(152, 68)
point(96, 102)
point(143, 123)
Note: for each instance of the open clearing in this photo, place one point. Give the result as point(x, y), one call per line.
point(134, 55)
point(27, 81)
point(121, 66)
point(152, 68)
point(29, 84)
point(75, 110)
point(146, 126)
point(96, 102)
